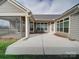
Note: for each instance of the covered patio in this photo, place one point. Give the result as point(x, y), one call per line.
point(44, 44)
point(18, 17)
point(17, 27)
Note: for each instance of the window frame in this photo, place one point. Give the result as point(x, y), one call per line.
point(59, 25)
point(66, 20)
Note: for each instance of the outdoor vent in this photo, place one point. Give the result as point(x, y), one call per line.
point(2, 1)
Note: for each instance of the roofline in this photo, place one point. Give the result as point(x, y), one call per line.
point(45, 14)
point(72, 8)
point(2, 2)
point(19, 5)
point(68, 11)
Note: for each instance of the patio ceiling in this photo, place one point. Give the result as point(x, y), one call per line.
point(10, 18)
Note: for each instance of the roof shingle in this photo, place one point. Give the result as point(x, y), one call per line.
point(45, 17)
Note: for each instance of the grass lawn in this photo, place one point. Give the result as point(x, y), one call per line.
point(6, 42)
point(3, 45)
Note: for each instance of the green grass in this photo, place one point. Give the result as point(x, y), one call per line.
point(2, 32)
point(4, 43)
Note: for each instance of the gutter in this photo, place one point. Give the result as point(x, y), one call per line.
point(71, 10)
point(20, 5)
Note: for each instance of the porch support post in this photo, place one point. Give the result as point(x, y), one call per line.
point(54, 27)
point(10, 27)
point(33, 26)
point(50, 27)
point(20, 26)
point(27, 26)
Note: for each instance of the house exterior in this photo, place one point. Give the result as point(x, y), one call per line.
point(17, 15)
point(23, 23)
point(68, 23)
point(43, 23)
point(64, 25)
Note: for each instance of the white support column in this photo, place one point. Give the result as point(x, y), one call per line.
point(20, 26)
point(27, 27)
point(33, 26)
point(54, 27)
point(50, 27)
point(11, 26)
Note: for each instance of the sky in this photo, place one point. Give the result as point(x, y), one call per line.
point(48, 6)
point(4, 23)
point(45, 7)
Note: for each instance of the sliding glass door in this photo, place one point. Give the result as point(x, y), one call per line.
point(41, 27)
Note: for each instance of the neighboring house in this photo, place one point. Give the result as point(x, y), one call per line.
point(22, 22)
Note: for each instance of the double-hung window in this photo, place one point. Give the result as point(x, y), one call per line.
point(66, 25)
point(58, 26)
point(63, 25)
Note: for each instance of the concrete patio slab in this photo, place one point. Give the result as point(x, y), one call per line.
point(54, 45)
point(27, 46)
point(44, 44)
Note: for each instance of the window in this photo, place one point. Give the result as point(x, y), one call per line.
point(66, 19)
point(57, 27)
point(31, 26)
point(61, 25)
point(57, 21)
point(45, 26)
point(41, 27)
point(38, 26)
point(66, 26)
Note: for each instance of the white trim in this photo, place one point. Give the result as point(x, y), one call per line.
point(50, 27)
point(13, 14)
point(20, 26)
point(16, 4)
point(33, 26)
point(63, 23)
point(69, 24)
point(55, 27)
point(27, 28)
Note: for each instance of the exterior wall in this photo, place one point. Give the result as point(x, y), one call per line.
point(74, 26)
point(49, 26)
point(9, 8)
point(55, 27)
point(14, 28)
point(59, 33)
point(27, 27)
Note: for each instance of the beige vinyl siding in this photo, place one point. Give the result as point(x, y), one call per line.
point(74, 26)
point(9, 8)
